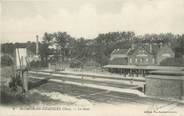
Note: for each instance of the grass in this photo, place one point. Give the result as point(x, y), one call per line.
point(8, 97)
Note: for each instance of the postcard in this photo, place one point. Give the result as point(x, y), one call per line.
point(92, 57)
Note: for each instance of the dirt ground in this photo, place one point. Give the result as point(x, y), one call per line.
point(88, 100)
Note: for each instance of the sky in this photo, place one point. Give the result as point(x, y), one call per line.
point(22, 20)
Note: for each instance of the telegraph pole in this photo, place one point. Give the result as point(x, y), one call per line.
point(37, 45)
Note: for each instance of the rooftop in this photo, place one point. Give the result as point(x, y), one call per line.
point(120, 51)
point(168, 68)
point(118, 61)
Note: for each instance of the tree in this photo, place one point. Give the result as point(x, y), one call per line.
point(64, 43)
point(44, 47)
point(8, 48)
point(179, 46)
point(6, 60)
point(106, 43)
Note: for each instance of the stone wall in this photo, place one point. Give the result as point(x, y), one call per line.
point(164, 88)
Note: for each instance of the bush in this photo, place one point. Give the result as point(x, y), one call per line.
point(6, 60)
point(8, 96)
point(35, 63)
point(13, 91)
point(76, 64)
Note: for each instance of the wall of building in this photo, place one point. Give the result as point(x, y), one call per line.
point(118, 56)
point(164, 88)
point(141, 57)
point(141, 60)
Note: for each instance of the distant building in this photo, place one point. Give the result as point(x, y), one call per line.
point(144, 54)
point(32, 56)
point(119, 57)
point(164, 53)
point(140, 56)
point(119, 53)
point(24, 55)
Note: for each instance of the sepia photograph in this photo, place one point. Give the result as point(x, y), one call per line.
point(92, 57)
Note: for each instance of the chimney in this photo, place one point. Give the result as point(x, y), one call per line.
point(37, 45)
point(150, 48)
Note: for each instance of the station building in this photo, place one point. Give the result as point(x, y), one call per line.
point(139, 59)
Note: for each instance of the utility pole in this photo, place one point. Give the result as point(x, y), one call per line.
point(21, 69)
point(37, 45)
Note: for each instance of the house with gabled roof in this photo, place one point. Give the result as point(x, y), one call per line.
point(119, 57)
point(141, 56)
point(119, 53)
point(144, 54)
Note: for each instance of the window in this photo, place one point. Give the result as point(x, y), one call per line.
point(147, 59)
point(153, 60)
point(130, 60)
point(136, 60)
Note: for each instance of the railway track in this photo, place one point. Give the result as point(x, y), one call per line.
point(103, 84)
point(85, 81)
point(101, 76)
point(91, 94)
point(96, 95)
point(117, 81)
